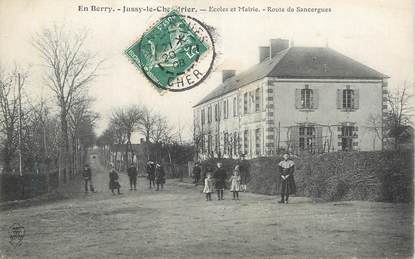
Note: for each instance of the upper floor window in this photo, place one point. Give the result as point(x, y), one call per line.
point(348, 99)
point(217, 112)
point(234, 107)
point(246, 103)
point(257, 100)
point(225, 109)
point(202, 116)
point(306, 98)
point(209, 114)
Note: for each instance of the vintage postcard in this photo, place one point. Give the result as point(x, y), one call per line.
point(206, 129)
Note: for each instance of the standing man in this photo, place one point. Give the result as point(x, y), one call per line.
point(220, 179)
point(286, 168)
point(132, 175)
point(87, 175)
point(151, 174)
point(196, 173)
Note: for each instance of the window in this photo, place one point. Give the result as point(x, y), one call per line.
point(258, 141)
point(306, 98)
point(210, 114)
point(202, 144)
point(217, 143)
point(257, 100)
point(225, 109)
point(347, 138)
point(225, 143)
point(234, 104)
point(216, 112)
point(245, 103)
point(348, 99)
point(251, 101)
point(246, 143)
point(235, 142)
point(202, 116)
point(209, 144)
point(307, 138)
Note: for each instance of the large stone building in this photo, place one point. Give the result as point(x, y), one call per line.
point(298, 99)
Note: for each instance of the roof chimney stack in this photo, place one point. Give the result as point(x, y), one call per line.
point(263, 53)
point(227, 73)
point(277, 45)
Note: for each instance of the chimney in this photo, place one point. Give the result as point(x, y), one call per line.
point(227, 73)
point(263, 53)
point(277, 45)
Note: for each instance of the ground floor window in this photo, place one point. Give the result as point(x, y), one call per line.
point(258, 142)
point(347, 138)
point(307, 138)
point(246, 141)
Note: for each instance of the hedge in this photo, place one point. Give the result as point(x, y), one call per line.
point(372, 176)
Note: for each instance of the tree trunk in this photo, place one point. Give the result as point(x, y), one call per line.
point(65, 148)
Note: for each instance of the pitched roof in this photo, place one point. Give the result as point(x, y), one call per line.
point(299, 62)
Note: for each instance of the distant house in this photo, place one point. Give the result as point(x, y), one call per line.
point(298, 99)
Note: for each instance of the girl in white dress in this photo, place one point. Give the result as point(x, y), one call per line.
point(208, 190)
point(235, 184)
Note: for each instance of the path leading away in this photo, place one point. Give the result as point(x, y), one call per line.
point(179, 223)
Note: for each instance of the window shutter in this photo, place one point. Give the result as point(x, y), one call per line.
point(356, 99)
point(315, 98)
point(339, 98)
point(297, 98)
point(294, 140)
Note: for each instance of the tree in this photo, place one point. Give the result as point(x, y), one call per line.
point(10, 86)
point(400, 112)
point(69, 68)
point(128, 120)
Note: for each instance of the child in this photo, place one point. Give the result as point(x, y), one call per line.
point(235, 184)
point(208, 190)
point(114, 184)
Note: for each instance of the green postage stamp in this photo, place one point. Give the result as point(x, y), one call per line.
point(176, 53)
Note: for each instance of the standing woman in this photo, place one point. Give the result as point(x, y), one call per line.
point(114, 184)
point(286, 168)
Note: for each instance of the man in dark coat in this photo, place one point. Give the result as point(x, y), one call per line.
point(160, 177)
point(151, 173)
point(87, 175)
point(286, 168)
point(132, 176)
point(220, 180)
point(196, 173)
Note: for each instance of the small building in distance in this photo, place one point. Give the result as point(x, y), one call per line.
point(296, 99)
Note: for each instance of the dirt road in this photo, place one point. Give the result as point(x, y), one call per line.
point(179, 223)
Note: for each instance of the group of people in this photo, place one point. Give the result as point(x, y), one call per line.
point(213, 181)
point(216, 181)
point(155, 175)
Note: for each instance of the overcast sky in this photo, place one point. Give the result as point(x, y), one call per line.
point(376, 33)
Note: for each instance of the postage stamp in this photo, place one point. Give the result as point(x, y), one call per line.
point(175, 54)
point(16, 234)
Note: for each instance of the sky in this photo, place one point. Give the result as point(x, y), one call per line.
point(375, 32)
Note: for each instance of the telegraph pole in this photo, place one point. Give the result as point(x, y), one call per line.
point(20, 123)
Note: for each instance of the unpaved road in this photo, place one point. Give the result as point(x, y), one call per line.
point(179, 223)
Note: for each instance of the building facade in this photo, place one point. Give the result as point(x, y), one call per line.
point(297, 99)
